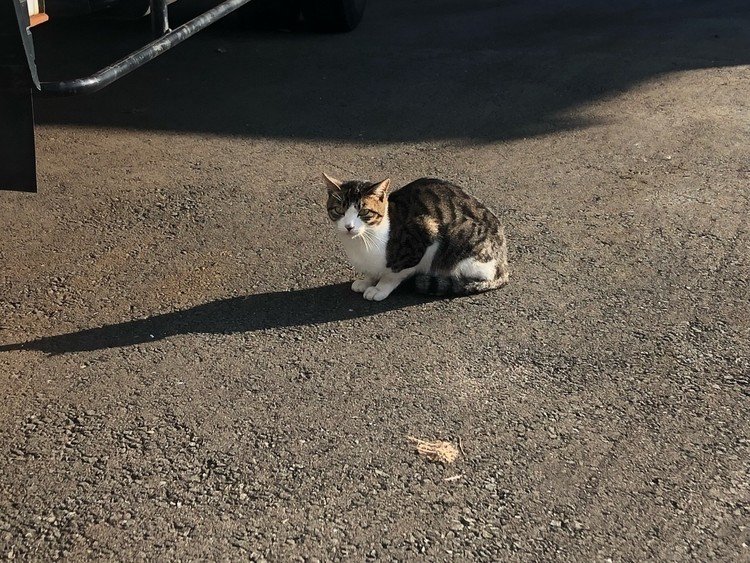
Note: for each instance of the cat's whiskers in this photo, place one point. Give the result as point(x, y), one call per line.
point(366, 240)
point(361, 235)
point(371, 238)
point(375, 238)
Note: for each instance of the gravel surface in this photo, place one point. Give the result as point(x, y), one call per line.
point(187, 376)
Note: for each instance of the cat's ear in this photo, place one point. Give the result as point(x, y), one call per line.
point(380, 190)
point(332, 183)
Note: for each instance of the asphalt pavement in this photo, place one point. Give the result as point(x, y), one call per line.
point(186, 374)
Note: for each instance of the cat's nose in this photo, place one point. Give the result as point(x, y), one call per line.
point(349, 227)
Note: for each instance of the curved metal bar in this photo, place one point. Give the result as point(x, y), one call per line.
point(117, 70)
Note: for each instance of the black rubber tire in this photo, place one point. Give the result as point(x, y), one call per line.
point(270, 14)
point(333, 16)
point(129, 10)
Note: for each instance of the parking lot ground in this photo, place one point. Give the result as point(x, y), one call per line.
point(186, 374)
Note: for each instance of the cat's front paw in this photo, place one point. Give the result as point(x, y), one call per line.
point(360, 286)
point(375, 294)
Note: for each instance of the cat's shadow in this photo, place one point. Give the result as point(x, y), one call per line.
point(249, 313)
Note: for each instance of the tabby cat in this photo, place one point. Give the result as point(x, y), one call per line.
point(429, 229)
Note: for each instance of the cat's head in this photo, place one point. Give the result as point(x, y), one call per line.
point(356, 206)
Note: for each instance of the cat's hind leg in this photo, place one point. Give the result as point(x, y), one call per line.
point(391, 280)
point(475, 276)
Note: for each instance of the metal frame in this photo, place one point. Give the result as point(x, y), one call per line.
point(167, 40)
point(18, 79)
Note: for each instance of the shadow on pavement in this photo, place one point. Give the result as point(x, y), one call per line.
point(422, 70)
point(238, 314)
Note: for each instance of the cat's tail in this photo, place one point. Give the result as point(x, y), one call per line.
point(436, 284)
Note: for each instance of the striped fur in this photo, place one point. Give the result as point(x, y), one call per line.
point(430, 230)
point(434, 284)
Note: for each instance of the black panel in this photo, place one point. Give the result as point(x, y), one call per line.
point(17, 160)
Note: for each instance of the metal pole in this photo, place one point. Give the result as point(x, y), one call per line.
point(159, 18)
point(108, 75)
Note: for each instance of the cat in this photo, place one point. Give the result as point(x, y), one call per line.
point(429, 229)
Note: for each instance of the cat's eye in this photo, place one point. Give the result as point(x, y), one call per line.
point(365, 213)
point(335, 213)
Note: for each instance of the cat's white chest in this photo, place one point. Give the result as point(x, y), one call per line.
point(367, 255)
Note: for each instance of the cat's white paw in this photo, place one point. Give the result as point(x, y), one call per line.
point(375, 294)
point(360, 286)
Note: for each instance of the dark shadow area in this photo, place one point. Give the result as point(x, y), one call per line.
point(226, 316)
point(420, 70)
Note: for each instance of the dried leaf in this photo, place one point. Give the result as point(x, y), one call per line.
point(438, 450)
